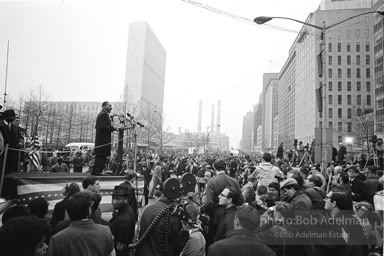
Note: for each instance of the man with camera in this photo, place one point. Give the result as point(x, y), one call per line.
point(379, 147)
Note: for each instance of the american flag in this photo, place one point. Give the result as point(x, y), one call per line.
point(34, 155)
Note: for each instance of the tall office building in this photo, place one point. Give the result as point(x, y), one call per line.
point(379, 69)
point(347, 65)
point(247, 131)
point(270, 108)
point(145, 71)
point(286, 99)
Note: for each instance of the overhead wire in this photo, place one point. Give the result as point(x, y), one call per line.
point(307, 31)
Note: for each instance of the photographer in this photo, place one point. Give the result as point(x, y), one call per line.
point(379, 147)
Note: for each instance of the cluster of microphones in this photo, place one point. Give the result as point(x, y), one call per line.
point(130, 118)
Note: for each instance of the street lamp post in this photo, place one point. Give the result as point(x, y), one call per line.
point(263, 19)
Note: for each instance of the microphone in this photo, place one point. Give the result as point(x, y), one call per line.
point(140, 124)
point(129, 115)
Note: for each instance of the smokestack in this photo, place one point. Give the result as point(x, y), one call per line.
point(199, 116)
point(218, 117)
point(213, 118)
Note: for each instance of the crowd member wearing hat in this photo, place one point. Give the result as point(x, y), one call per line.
point(78, 162)
point(358, 187)
point(241, 240)
point(266, 172)
point(83, 236)
point(215, 187)
point(130, 178)
point(12, 135)
point(293, 193)
point(123, 221)
point(59, 166)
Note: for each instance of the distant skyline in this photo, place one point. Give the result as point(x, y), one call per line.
point(77, 51)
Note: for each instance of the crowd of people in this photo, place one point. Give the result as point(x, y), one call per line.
point(242, 205)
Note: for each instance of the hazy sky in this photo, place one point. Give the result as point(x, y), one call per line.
point(77, 51)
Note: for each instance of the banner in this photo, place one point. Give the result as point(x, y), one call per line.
point(29, 186)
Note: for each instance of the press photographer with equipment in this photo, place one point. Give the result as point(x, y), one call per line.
point(161, 229)
point(378, 147)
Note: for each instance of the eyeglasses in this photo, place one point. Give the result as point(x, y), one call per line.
point(223, 195)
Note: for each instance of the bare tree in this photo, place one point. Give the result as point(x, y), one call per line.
point(360, 125)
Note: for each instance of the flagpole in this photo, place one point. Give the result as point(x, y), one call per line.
point(6, 77)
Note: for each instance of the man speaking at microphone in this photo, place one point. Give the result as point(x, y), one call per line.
point(103, 140)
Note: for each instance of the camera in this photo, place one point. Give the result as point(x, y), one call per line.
point(373, 139)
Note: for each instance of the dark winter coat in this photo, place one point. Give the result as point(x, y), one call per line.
point(103, 134)
point(239, 243)
point(122, 226)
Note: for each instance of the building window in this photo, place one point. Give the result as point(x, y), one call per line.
point(358, 98)
point(330, 99)
point(368, 60)
point(357, 33)
point(349, 86)
point(358, 74)
point(357, 20)
point(348, 47)
point(349, 99)
point(340, 126)
point(339, 60)
point(339, 99)
point(357, 46)
point(329, 47)
point(339, 138)
point(330, 86)
point(329, 60)
point(348, 59)
point(367, 33)
point(349, 127)
point(357, 59)
point(367, 48)
point(339, 73)
point(349, 73)
point(358, 86)
point(340, 113)
point(348, 33)
point(366, 19)
point(339, 86)
point(349, 113)
point(330, 73)
point(368, 73)
point(330, 125)
point(330, 112)
point(339, 47)
point(369, 100)
point(368, 86)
